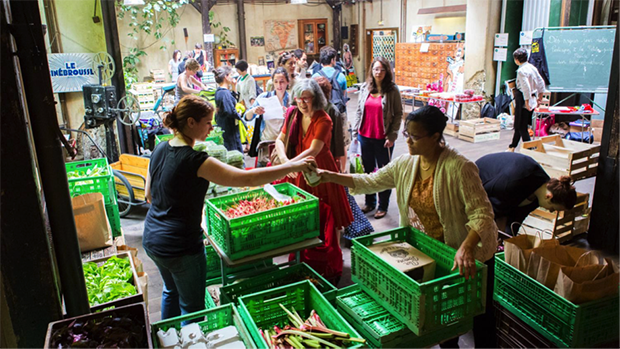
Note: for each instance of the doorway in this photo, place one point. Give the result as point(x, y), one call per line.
point(381, 42)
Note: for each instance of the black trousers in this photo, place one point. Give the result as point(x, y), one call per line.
point(375, 155)
point(484, 324)
point(523, 117)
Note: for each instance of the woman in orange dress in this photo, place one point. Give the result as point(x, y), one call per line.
point(310, 135)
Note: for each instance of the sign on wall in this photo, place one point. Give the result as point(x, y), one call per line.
point(70, 71)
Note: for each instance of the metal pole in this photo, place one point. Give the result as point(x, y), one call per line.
point(28, 35)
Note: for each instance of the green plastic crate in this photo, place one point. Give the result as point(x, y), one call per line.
point(285, 276)
point(423, 307)
point(214, 319)
point(214, 266)
point(562, 322)
point(216, 138)
point(262, 310)
point(114, 218)
point(94, 184)
point(383, 330)
point(263, 231)
point(163, 138)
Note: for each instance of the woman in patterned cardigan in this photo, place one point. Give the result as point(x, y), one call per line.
point(439, 191)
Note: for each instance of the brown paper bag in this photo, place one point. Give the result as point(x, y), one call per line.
point(91, 222)
point(545, 262)
point(587, 283)
point(143, 280)
point(134, 256)
point(517, 249)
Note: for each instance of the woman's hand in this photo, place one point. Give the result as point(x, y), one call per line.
point(304, 165)
point(388, 143)
point(465, 260)
point(259, 110)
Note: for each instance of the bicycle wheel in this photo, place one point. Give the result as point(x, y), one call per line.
point(124, 192)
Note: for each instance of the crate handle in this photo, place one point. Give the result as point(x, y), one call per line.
point(86, 164)
point(275, 296)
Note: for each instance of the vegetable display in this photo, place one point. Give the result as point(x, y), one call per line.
point(109, 332)
point(311, 333)
point(95, 171)
point(108, 282)
point(258, 204)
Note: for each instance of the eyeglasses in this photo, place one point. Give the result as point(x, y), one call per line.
point(413, 137)
point(379, 70)
point(304, 99)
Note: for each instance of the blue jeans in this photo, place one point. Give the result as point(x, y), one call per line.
point(375, 155)
point(184, 283)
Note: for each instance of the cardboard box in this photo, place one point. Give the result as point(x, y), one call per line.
point(407, 259)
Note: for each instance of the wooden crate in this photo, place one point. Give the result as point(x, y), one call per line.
point(479, 130)
point(563, 225)
point(560, 157)
point(451, 130)
point(134, 168)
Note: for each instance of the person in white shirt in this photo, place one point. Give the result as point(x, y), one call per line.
point(527, 94)
point(246, 85)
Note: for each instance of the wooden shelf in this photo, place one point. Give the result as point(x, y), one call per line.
point(228, 56)
point(313, 35)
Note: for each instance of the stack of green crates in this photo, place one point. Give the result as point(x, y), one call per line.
point(265, 281)
point(209, 320)
point(102, 182)
point(564, 323)
point(423, 307)
point(263, 231)
point(214, 266)
point(383, 330)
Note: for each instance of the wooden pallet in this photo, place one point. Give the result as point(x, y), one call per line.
point(563, 225)
point(560, 157)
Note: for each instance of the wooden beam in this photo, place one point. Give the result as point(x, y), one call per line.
point(241, 22)
point(565, 14)
point(113, 46)
point(603, 231)
point(442, 9)
point(205, 7)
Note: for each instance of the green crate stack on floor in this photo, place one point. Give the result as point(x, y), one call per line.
point(562, 322)
point(95, 176)
point(214, 268)
point(448, 301)
point(276, 278)
point(383, 330)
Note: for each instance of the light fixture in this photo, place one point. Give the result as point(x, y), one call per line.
point(133, 2)
point(380, 23)
point(299, 1)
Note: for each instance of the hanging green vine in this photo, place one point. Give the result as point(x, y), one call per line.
point(222, 29)
point(150, 20)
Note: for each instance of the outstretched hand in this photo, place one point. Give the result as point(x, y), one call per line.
point(465, 261)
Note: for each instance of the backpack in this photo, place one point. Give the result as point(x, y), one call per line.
point(488, 111)
point(337, 97)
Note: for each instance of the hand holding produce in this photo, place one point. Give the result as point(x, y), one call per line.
point(311, 333)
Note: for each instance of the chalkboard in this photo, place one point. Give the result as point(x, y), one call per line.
point(578, 58)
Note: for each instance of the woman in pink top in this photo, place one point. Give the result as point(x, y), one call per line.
point(378, 118)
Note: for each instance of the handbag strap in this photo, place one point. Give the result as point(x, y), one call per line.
point(290, 120)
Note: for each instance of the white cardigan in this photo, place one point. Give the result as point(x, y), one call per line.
point(461, 202)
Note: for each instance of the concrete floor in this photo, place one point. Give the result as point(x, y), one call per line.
point(133, 224)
